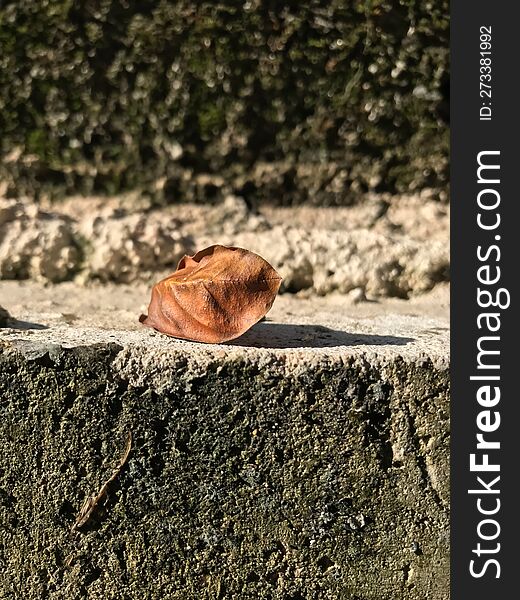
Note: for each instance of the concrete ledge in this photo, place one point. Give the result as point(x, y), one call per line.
point(304, 461)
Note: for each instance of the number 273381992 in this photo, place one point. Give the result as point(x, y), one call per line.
point(485, 73)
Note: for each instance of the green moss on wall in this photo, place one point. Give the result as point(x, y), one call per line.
point(112, 95)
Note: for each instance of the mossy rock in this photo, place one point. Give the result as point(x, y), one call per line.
point(102, 97)
point(252, 476)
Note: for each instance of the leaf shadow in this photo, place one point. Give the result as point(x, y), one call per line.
point(284, 335)
point(24, 325)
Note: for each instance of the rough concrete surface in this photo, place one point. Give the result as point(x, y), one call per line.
point(378, 247)
point(306, 460)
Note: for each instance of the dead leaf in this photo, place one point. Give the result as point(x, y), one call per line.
point(91, 502)
point(214, 296)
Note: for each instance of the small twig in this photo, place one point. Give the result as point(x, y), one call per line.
point(93, 500)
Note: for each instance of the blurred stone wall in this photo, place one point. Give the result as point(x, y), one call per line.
point(285, 102)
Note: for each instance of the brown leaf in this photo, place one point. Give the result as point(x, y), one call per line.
point(214, 296)
point(91, 502)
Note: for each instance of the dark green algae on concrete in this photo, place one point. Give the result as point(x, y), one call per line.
point(293, 102)
point(254, 476)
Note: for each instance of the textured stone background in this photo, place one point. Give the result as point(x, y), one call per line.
point(286, 102)
point(376, 249)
